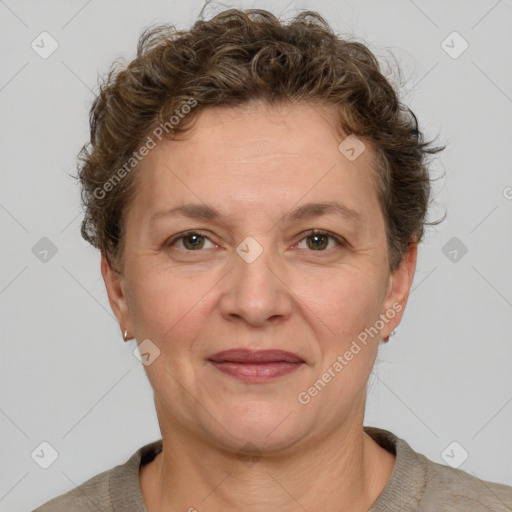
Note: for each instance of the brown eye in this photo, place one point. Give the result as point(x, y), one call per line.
point(193, 241)
point(318, 242)
point(190, 241)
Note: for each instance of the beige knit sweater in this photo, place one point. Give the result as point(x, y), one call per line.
point(416, 484)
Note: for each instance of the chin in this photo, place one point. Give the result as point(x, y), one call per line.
point(259, 425)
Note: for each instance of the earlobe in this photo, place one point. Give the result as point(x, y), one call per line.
point(114, 284)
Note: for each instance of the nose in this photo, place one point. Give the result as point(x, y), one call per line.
point(256, 291)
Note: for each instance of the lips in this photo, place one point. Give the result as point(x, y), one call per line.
point(255, 357)
point(256, 366)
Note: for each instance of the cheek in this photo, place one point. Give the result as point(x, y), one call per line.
point(348, 305)
point(344, 304)
point(165, 307)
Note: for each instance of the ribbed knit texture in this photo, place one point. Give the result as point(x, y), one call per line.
point(416, 484)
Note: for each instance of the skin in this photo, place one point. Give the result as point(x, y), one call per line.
point(254, 164)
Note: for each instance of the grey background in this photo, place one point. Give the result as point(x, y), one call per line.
point(67, 377)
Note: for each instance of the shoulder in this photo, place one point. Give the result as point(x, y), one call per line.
point(91, 495)
point(115, 489)
point(449, 489)
point(421, 485)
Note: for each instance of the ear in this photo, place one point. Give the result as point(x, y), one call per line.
point(399, 286)
point(114, 283)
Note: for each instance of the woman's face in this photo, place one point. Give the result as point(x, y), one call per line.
point(253, 277)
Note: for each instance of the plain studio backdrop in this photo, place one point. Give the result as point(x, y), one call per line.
point(443, 382)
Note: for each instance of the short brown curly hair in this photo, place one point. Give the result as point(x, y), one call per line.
point(232, 59)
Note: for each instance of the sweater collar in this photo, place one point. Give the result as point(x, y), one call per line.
point(406, 485)
point(402, 493)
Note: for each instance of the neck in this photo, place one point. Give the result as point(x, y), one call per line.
point(346, 467)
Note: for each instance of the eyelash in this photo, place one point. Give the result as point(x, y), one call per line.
point(312, 232)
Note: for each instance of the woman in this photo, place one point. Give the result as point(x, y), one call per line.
point(258, 194)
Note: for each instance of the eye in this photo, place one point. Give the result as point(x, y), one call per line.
point(191, 241)
point(320, 240)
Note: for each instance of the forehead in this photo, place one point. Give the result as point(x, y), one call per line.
point(257, 156)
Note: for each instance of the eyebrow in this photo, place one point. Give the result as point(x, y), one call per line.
point(306, 211)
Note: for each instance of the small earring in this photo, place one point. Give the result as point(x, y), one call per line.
point(125, 335)
point(386, 339)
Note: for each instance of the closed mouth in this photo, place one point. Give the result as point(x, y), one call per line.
point(245, 356)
